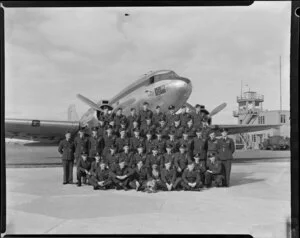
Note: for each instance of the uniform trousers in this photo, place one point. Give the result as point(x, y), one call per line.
point(67, 171)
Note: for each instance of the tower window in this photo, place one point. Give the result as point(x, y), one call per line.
point(282, 118)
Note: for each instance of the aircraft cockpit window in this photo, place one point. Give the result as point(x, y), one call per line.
point(151, 80)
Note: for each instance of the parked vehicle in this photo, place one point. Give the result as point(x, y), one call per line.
point(275, 143)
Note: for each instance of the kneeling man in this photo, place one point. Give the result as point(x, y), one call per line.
point(214, 171)
point(101, 180)
point(121, 175)
point(83, 168)
point(191, 178)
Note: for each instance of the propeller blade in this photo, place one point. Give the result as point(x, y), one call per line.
point(218, 109)
point(89, 102)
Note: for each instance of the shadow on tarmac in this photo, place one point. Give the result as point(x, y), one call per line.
point(242, 178)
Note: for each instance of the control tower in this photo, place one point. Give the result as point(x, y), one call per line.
point(250, 105)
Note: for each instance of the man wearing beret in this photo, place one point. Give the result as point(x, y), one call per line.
point(132, 117)
point(145, 112)
point(181, 160)
point(173, 141)
point(214, 171)
point(149, 142)
point(225, 149)
point(101, 180)
point(140, 173)
point(171, 115)
point(109, 139)
point(122, 140)
point(190, 178)
point(95, 143)
point(139, 155)
point(136, 140)
point(121, 175)
point(157, 115)
point(159, 142)
point(83, 168)
point(81, 144)
point(112, 157)
point(198, 144)
point(67, 148)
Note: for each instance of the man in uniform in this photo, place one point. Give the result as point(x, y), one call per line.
point(67, 148)
point(181, 160)
point(188, 142)
point(145, 112)
point(95, 143)
point(198, 144)
point(118, 118)
point(121, 175)
point(154, 158)
point(200, 166)
point(95, 164)
point(140, 173)
point(140, 155)
point(160, 142)
point(83, 168)
point(168, 177)
point(225, 149)
point(135, 125)
point(184, 116)
point(147, 126)
point(157, 116)
point(154, 182)
point(126, 155)
point(112, 157)
point(123, 125)
point(81, 144)
point(172, 141)
point(171, 115)
point(112, 124)
point(132, 117)
point(197, 116)
point(210, 145)
point(163, 127)
point(122, 140)
point(149, 142)
point(190, 127)
point(190, 178)
point(136, 140)
point(169, 155)
point(105, 115)
point(101, 180)
point(101, 126)
point(177, 128)
point(214, 171)
point(109, 139)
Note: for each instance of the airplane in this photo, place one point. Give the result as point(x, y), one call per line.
point(161, 87)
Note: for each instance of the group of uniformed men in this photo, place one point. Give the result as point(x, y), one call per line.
point(149, 152)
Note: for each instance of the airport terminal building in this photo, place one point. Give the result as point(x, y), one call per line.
point(250, 111)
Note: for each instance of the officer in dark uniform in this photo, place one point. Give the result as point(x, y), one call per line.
point(105, 115)
point(123, 125)
point(140, 173)
point(225, 149)
point(101, 180)
point(132, 117)
point(214, 171)
point(200, 166)
point(126, 155)
point(160, 142)
point(95, 164)
point(136, 140)
point(144, 113)
point(122, 140)
point(205, 130)
point(121, 175)
point(163, 127)
point(184, 116)
point(171, 115)
point(67, 148)
point(81, 144)
point(210, 145)
point(188, 142)
point(190, 178)
point(118, 118)
point(112, 157)
point(109, 139)
point(101, 126)
point(169, 155)
point(177, 127)
point(154, 176)
point(83, 168)
point(173, 141)
point(95, 143)
point(198, 144)
point(197, 116)
point(147, 126)
point(112, 124)
point(157, 115)
point(190, 127)
point(168, 177)
point(181, 160)
point(139, 155)
point(154, 158)
point(149, 142)
point(135, 125)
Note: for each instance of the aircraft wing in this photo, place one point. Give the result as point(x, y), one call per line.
point(237, 129)
point(47, 131)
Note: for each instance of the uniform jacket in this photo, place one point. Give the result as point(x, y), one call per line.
point(149, 145)
point(191, 131)
point(94, 166)
point(184, 118)
point(102, 175)
point(139, 157)
point(117, 171)
point(190, 176)
point(174, 143)
point(156, 117)
point(131, 118)
point(101, 131)
point(181, 160)
point(140, 174)
point(127, 157)
point(81, 144)
point(168, 158)
point(145, 128)
point(165, 131)
point(118, 120)
point(131, 131)
point(112, 159)
point(83, 165)
point(168, 176)
point(151, 159)
point(109, 140)
point(200, 167)
point(120, 142)
point(66, 149)
point(199, 147)
point(144, 115)
point(188, 143)
point(134, 142)
point(161, 144)
point(197, 119)
point(225, 148)
point(95, 144)
point(170, 119)
point(178, 131)
point(211, 145)
point(215, 167)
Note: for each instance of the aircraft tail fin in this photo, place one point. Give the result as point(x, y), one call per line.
point(72, 114)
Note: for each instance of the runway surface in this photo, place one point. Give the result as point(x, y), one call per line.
point(257, 203)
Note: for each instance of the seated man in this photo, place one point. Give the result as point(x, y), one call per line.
point(139, 177)
point(101, 180)
point(83, 167)
point(200, 167)
point(168, 177)
point(121, 175)
point(214, 172)
point(154, 182)
point(191, 178)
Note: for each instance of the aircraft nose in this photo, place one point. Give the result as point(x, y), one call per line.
point(188, 86)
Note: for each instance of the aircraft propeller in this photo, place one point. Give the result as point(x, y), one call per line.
point(217, 109)
point(89, 102)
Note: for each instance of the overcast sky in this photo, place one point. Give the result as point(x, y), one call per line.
point(54, 53)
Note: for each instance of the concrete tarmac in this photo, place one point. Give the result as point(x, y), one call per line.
point(256, 203)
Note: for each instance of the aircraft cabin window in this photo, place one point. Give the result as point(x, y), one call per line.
point(151, 80)
point(160, 90)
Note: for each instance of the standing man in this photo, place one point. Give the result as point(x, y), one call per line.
point(118, 118)
point(172, 141)
point(81, 144)
point(163, 127)
point(160, 142)
point(145, 112)
point(190, 127)
point(149, 142)
point(177, 128)
point(67, 148)
point(188, 142)
point(154, 158)
point(157, 115)
point(225, 149)
point(136, 140)
point(197, 116)
point(171, 115)
point(140, 155)
point(181, 160)
point(210, 145)
point(109, 139)
point(95, 144)
point(198, 144)
point(126, 155)
point(122, 140)
point(147, 126)
point(184, 116)
point(132, 117)
point(169, 155)
point(101, 126)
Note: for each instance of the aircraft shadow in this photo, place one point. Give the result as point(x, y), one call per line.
point(242, 178)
